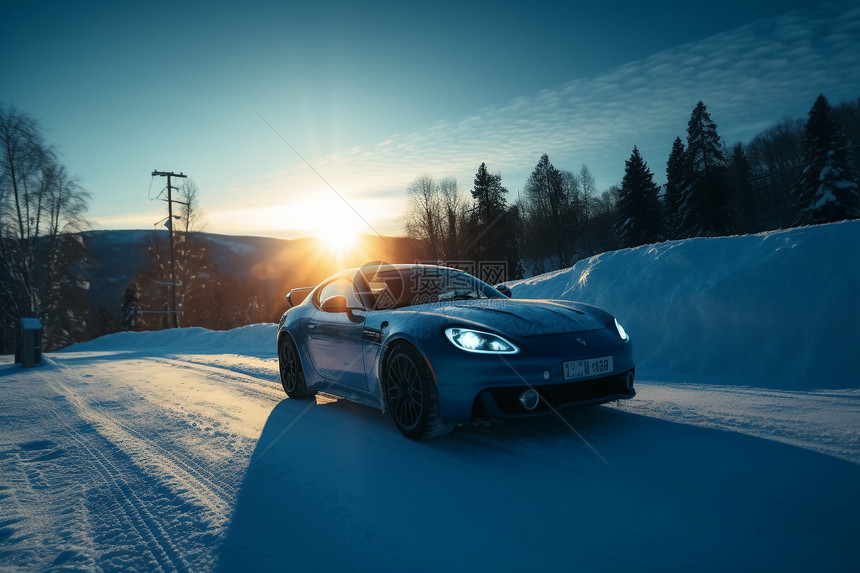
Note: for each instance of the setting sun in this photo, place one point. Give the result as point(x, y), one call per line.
point(339, 239)
point(338, 230)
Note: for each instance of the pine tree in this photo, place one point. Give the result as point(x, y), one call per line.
point(638, 208)
point(102, 322)
point(489, 195)
point(493, 225)
point(705, 206)
point(827, 189)
point(130, 309)
point(676, 176)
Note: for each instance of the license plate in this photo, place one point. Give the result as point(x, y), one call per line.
point(575, 369)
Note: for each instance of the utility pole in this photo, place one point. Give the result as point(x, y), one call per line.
point(173, 310)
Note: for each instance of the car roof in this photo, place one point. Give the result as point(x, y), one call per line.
point(369, 269)
point(379, 265)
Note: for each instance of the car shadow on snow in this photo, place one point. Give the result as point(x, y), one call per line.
point(334, 486)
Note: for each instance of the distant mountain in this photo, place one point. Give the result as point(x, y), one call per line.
point(118, 257)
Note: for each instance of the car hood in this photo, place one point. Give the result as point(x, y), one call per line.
point(520, 317)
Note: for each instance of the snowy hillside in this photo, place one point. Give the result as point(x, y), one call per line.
point(775, 310)
point(178, 451)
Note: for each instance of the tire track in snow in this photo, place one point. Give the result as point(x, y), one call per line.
point(191, 475)
point(154, 539)
point(154, 499)
point(265, 387)
point(207, 490)
point(39, 469)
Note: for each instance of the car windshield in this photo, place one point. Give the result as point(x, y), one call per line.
point(397, 288)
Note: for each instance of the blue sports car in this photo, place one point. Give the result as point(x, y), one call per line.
point(437, 347)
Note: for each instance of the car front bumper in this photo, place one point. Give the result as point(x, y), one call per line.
point(472, 386)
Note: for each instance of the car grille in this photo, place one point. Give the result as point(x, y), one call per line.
point(504, 402)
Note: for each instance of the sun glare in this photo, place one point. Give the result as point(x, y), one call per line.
point(338, 232)
point(339, 239)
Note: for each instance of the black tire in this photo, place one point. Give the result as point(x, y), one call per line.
point(411, 395)
point(290, 367)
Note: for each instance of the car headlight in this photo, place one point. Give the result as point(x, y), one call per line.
point(621, 332)
point(480, 342)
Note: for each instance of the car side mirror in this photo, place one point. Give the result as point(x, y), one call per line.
point(336, 303)
point(505, 290)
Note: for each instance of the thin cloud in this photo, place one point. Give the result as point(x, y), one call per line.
point(749, 77)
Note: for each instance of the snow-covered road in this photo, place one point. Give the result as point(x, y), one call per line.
point(127, 463)
point(178, 451)
point(146, 460)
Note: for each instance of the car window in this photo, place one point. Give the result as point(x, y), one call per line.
point(421, 285)
point(342, 287)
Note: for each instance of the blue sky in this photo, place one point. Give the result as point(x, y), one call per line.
point(372, 96)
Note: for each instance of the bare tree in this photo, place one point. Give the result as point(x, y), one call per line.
point(190, 214)
point(453, 219)
point(588, 188)
point(604, 210)
point(191, 267)
point(776, 158)
point(548, 204)
point(42, 211)
point(424, 215)
point(24, 155)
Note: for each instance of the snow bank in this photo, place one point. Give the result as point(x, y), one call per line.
point(775, 310)
point(253, 340)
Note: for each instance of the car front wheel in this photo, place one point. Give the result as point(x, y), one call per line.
point(411, 395)
point(292, 377)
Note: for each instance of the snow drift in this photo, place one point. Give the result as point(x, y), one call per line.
point(774, 310)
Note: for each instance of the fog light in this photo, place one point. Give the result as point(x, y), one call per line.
point(529, 399)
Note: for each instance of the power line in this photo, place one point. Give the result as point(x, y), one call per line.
point(170, 202)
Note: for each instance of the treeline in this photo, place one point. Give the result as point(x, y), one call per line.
point(793, 173)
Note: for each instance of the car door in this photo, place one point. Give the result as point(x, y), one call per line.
point(335, 343)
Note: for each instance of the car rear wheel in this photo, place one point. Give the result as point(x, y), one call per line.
point(411, 395)
point(292, 376)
